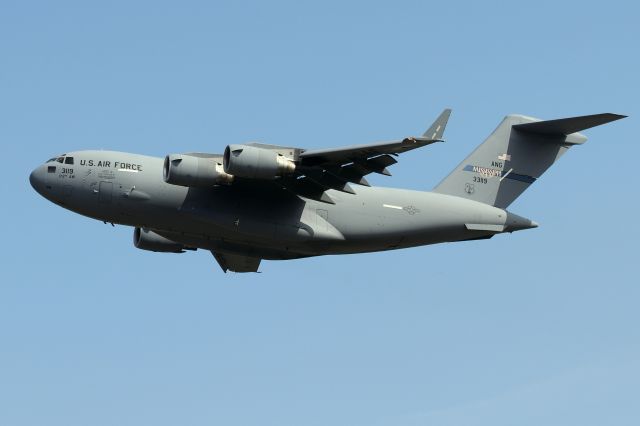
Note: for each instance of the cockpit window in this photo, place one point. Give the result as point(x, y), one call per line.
point(60, 159)
point(51, 169)
point(68, 160)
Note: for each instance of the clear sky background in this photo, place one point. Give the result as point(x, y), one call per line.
point(538, 327)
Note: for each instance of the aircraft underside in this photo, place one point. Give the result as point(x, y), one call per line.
point(259, 201)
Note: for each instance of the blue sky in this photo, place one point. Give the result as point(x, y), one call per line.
point(538, 327)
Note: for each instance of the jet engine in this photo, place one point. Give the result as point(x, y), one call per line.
point(145, 239)
point(192, 171)
point(255, 163)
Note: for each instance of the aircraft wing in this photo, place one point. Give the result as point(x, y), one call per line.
point(317, 171)
point(356, 153)
point(334, 168)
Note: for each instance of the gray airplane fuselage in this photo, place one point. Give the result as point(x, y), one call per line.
point(254, 219)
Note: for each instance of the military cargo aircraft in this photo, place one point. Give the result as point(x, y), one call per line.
point(259, 201)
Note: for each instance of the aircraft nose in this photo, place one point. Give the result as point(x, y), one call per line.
point(36, 179)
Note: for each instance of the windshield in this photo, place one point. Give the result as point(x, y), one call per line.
point(59, 159)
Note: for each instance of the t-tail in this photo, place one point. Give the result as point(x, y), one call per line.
point(515, 155)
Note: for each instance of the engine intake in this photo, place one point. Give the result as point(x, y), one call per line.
point(145, 239)
point(188, 170)
point(255, 163)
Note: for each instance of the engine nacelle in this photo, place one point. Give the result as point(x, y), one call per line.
point(255, 163)
point(149, 240)
point(188, 170)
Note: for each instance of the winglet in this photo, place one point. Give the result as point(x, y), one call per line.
point(436, 130)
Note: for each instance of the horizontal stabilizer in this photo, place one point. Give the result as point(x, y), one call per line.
point(566, 126)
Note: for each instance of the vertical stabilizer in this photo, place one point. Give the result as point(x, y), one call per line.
point(517, 153)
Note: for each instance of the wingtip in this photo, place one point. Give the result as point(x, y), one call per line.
point(613, 117)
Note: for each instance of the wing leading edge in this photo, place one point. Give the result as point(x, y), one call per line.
point(335, 168)
point(358, 152)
